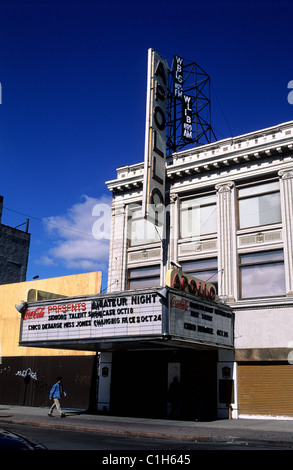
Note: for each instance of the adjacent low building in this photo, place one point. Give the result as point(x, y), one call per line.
point(27, 373)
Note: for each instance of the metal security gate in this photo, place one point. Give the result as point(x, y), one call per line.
point(265, 389)
point(28, 380)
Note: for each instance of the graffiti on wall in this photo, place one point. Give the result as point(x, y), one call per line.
point(27, 373)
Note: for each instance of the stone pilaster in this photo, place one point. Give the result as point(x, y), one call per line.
point(174, 228)
point(286, 191)
point(118, 249)
point(227, 241)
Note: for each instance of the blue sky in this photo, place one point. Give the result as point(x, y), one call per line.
point(73, 80)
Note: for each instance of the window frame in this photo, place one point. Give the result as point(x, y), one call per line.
point(256, 263)
point(192, 198)
point(130, 220)
point(257, 195)
point(196, 272)
point(143, 275)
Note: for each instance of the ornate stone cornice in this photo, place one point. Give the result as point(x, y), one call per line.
point(272, 143)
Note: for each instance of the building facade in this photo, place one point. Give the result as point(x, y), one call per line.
point(229, 221)
point(14, 251)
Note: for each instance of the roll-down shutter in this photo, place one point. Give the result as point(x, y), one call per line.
point(265, 389)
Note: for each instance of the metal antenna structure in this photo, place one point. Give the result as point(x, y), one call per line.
point(188, 120)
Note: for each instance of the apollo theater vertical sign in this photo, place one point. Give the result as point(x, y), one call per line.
point(155, 140)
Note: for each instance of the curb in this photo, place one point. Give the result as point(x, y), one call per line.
point(237, 441)
point(101, 430)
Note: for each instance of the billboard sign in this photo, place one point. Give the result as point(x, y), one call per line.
point(155, 140)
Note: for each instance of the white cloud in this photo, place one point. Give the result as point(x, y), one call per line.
point(46, 261)
point(77, 244)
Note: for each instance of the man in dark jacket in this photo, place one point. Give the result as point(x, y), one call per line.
point(57, 392)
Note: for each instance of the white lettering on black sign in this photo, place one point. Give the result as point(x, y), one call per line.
point(178, 76)
point(186, 118)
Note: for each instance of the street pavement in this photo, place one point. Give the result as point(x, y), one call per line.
point(268, 432)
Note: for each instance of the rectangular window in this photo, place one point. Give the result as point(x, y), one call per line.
point(198, 216)
point(262, 274)
point(140, 278)
point(259, 205)
point(141, 231)
point(204, 269)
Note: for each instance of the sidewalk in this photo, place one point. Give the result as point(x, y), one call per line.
point(257, 431)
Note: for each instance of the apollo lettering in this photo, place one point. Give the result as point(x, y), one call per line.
point(158, 154)
point(155, 143)
point(193, 286)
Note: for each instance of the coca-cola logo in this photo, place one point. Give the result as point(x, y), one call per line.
point(181, 304)
point(39, 312)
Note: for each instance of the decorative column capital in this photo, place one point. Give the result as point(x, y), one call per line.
point(119, 209)
point(173, 198)
point(225, 187)
point(286, 174)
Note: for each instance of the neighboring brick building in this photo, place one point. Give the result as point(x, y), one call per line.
point(14, 250)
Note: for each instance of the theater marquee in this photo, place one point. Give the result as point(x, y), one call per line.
point(153, 317)
point(101, 317)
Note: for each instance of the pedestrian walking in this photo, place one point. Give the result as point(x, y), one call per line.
point(57, 392)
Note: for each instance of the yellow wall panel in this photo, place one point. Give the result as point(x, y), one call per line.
point(11, 294)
